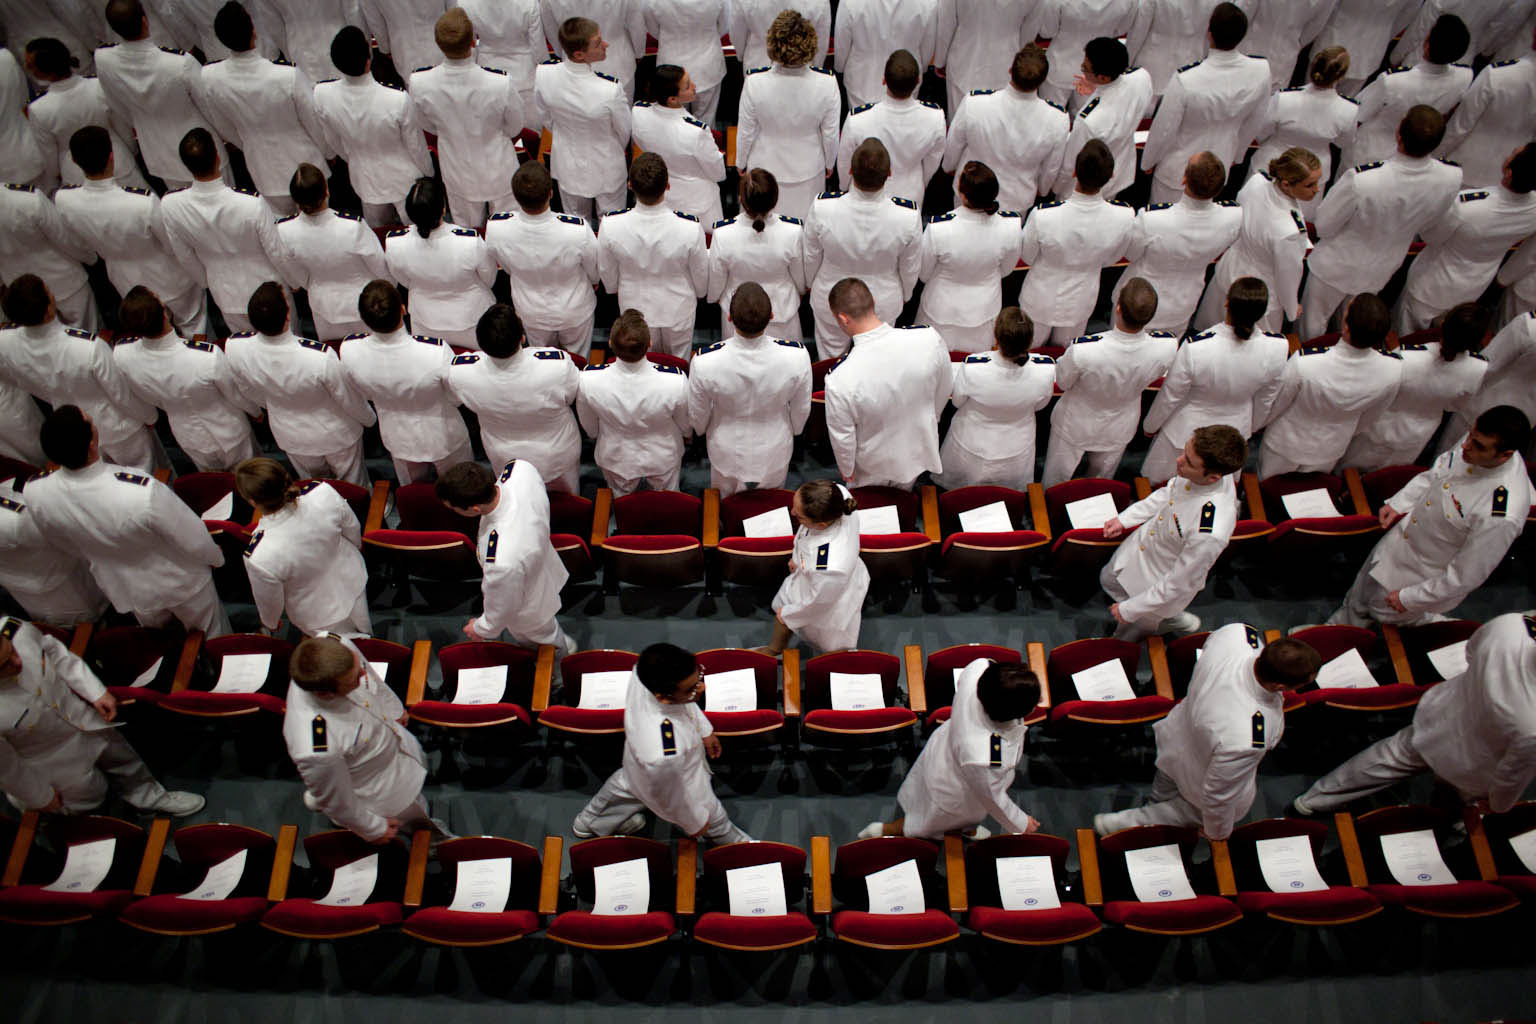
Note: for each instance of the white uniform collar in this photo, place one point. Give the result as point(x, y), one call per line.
point(759, 342)
point(638, 366)
point(1082, 199)
point(285, 338)
point(576, 68)
point(85, 473)
point(210, 186)
point(395, 337)
point(1189, 202)
point(873, 334)
point(866, 197)
point(65, 84)
point(164, 343)
point(100, 185)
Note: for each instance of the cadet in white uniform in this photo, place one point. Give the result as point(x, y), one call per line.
point(1458, 520)
point(865, 234)
point(1210, 745)
point(522, 395)
point(58, 739)
point(1069, 24)
point(406, 379)
point(587, 115)
point(374, 128)
point(34, 241)
point(1228, 374)
point(1365, 28)
point(304, 559)
point(1166, 35)
point(974, 41)
point(996, 394)
point(1185, 526)
point(749, 395)
point(551, 259)
point(1436, 81)
point(476, 114)
point(666, 738)
point(510, 38)
point(190, 380)
point(688, 36)
point(967, 765)
point(963, 258)
point(1279, 32)
point(1313, 116)
point(1370, 216)
point(21, 159)
point(72, 102)
point(333, 255)
point(751, 21)
point(303, 31)
point(1496, 116)
point(759, 246)
point(654, 260)
point(695, 165)
point(822, 598)
point(1327, 393)
point(1476, 731)
point(637, 411)
point(1208, 106)
point(911, 129)
point(869, 31)
point(1121, 96)
point(523, 573)
point(190, 25)
point(787, 123)
point(403, 29)
point(1518, 276)
point(883, 428)
point(449, 270)
point(624, 21)
point(1510, 380)
point(1012, 130)
point(316, 415)
point(345, 731)
point(1067, 245)
point(1101, 378)
point(52, 584)
point(149, 552)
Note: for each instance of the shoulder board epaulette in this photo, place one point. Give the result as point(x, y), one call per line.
point(941, 218)
point(1301, 225)
point(1203, 335)
point(861, 108)
point(1044, 360)
point(717, 225)
point(396, 232)
point(1413, 346)
point(1154, 207)
point(106, 46)
point(1469, 197)
point(1254, 639)
point(135, 190)
point(981, 358)
point(785, 219)
point(1227, 202)
point(1393, 355)
point(610, 78)
point(308, 486)
point(789, 344)
point(548, 353)
point(1274, 334)
point(1090, 108)
point(615, 213)
point(424, 67)
point(1315, 350)
point(318, 346)
point(570, 218)
point(246, 334)
point(665, 368)
point(1161, 334)
point(285, 220)
point(931, 105)
point(1293, 88)
point(707, 349)
point(1058, 106)
point(391, 85)
point(200, 346)
point(838, 363)
point(356, 337)
point(172, 49)
point(125, 341)
point(830, 195)
point(282, 62)
point(496, 71)
point(1396, 68)
point(822, 71)
point(596, 366)
point(1118, 202)
point(465, 232)
point(505, 215)
point(1478, 355)
point(1087, 339)
point(1351, 99)
point(696, 123)
point(1448, 163)
point(1048, 204)
point(15, 187)
point(63, 187)
point(913, 327)
point(1008, 213)
point(467, 359)
point(685, 216)
point(132, 478)
point(1503, 63)
point(753, 71)
point(642, 103)
point(14, 506)
point(246, 192)
point(982, 92)
point(347, 216)
point(75, 332)
point(551, 59)
point(506, 473)
point(1367, 167)
point(1191, 64)
point(426, 340)
point(1500, 507)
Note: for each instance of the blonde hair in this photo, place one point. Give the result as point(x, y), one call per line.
point(791, 40)
point(1329, 67)
point(265, 484)
point(318, 662)
point(1294, 165)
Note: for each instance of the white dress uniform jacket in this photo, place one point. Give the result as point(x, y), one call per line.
point(524, 407)
point(1325, 394)
point(670, 778)
point(375, 130)
point(1518, 276)
point(1271, 245)
point(406, 379)
point(1212, 741)
point(869, 31)
point(1171, 247)
point(750, 397)
point(229, 239)
point(1111, 116)
point(695, 165)
point(963, 257)
point(34, 241)
point(653, 258)
point(638, 412)
point(20, 421)
point(511, 39)
point(22, 159)
point(965, 769)
point(551, 259)
point(334, 255)
point(751, 19)
point(192, 382)
point(449, 273)
point(63, 366)
point(1067, 244)
point(160, 92)
point(189, 23)
point(404, 30)
point(1101, 378)
point(913, 133)
point(1478, 18)
point(304, 560)
point(975, 41)
point(1020, 136)
point(1279, 32)
point(787, 125)
point(1387, 98)
point(268, 110)
point(1463, 250)
point(1069, 24)
point(359, 764)
point(1207, 106)
point(1511, 376)
point(822, 599)
point(303, 30)
point(773, 257)
point(623, 28)
point(25, 20)
point(523, 572)
point(50, 583)
point(1495, 117)
point(1365, 28)
point(64, 109)
point(1430, 387)
point(878, 405)
point(867, 235)
point(588, 114)
point(1308, 116)
point(311, 405)
point(991, 440)
point(1162, 566)
point(476, 113)
point(688, 34)
point(1165, 35)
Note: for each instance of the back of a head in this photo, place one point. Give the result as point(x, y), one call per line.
point(532, 186)
point(852, 298)
point(1029, 68)
point(350, 51)
point(978, 185)
point(823, 501)
point(91, 147)
point(307, 188)
point(1421, 130)
point(791, 40)
point(265, 484)
point(666, 82)
point(759, 193)
point(318, 663)
point(425, 204)
point(1007, 692)
point(1204, 175)
point(751, 309)
point(66, 437)
point(1138, 303)
point(1522, 169)
point(26, 301)
point(465, 485)
point(902, 75)
point(630, 336)
point(1107, 56)
point(1463, 329)
point(1222, 449)
point(1447, 41)
point(267, 309)
point(870, 166)
point(126, 18)
point(648, 178)
point(51, 58)
point(662, 667)
point(141, 314)
point(1014, 332)
point(454, 34)
point(233, 27)
point(1294, 166)
point(575, 34)
point(1509, 428)
point(499, 331)
point(1094, 166)
point(199, 153)
point(379, 306)
point(1228, 26)
point(1287, 663)
point(1329, 67)
point(1247, 299)
point(1368, 320)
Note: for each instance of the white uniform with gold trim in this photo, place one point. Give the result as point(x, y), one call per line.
point(304, 560)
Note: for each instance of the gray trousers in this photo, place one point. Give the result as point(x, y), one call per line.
point(615, 802)
point(1366, 603)
point(1373, 769)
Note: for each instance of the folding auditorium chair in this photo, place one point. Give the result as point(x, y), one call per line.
point(24, 894)
point(1468, 897)
point(763, 723)
point(433, 545)
point(1497, 861)
point(670, 890)
point(974, 561)
point(760, 562)
point(202, 491)
point(1299, 548)
point(971, 871)
point(358, 498)
point(1389, 703)
point(138, 663)
point(397, 663)
point(456, 722)
point(531, 899)
point(1410, 648)
point(1070, 712)
point(1237, 857)
point(304, 917)
point(1107, 885)
point(253, 720)
point(164, 910)
point(1381, 484)
point(904, 930)
point(658, 541)
point(827, 727)
point(570, 523)
point(895, 558)
point(1077, 554)
point(1252, 527)
point(564, 712)
point(931, 684)
point(751, 933)
point(816, 439)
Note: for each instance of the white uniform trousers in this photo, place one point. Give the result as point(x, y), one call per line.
point(563, 474)
point(78, 308)
point(549, 633)
point(221, 460)
point(729, 485)
point(139, 450)
point(1164, 807)
point(962, 337)
point(357, 621)
point(1373, 769)
point(189, 312)
point(408, 472)
point(1062, 459)
point(1272, 463)
point(1319, 301)
point(706, 104)
point(1366, 603)
point(385, 215)
point(1162, 458)
point(325, 330)
point(346, 464)
point(622, 485)
point(470, 213)
point(674, 341)
point(1413, 315)
point(593, 208)
point(412, 818)
point(200, 609)
point(577, 340)
point(1165, 193)
point(795, 197)
point(1135, 632)
point(132, 778)
point(615, 802)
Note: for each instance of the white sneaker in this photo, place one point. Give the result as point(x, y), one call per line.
point(570, 645)
point(634, 823)
point(310, 801)
point(872, 830)
point(1101, 825)
point(1181, 624)
point(176, 803)
point(981, 833)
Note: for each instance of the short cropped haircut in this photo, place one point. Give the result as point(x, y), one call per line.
point(1222, 449)
point(1287, 663)
point(1094, 166)
point(51, 58)
point(1204, 175)
point(902, 75)
point(454, 34)
point(26, 301)
point(1007, 692)
point(199, 153)
point(791, 40)
point(1448, 40)
point(318, 663)
point(1014, 332)
point(267, 308)
point(66, 437)
point(1107, 56)
point(648, 178)
point(823, 501)
point(1138, 303)
point(91, 147)
point(1463, 329)
point(126, 18)
point(1294, 166)
point(1522, 169)
point(1368, 321)
point(1329, 67)
point(751, 309)
point(870, 165)
point(852, 298)
point(350, 51)
point(499, 331)
point(978, 185)
point(1247, 298)
point(379, 306)
point(1228, 26)
point(1029, 68)
point(307, 187)
point(630, 336)
point(466, 485)
point(233, 27)
point(662, 667)
point(532, 186)
point(1422, 128)
point(666, 82)
point(1509, 428)
point(141, 314)
point(575, 34)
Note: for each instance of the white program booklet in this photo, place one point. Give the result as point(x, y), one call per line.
point(221, 509)
point(896, 890)
point(242, 673)
point(1027, 883)
point(1414, 858)
point(603, 691)
point(380, 669)
point(1157, 874)
point(1288, 866)
point(1091, 513)
point(882, 519)
point(1313, 504)
point(1450, 661)
point(757, 891)
point(1104, 681)
point(622, 888)
point(1524, 846)
point(991, 518)
point(148, 675)
point(220, 880)
point(352, 884)
point(86, 866)
point(735, 690)
point(773, 523)
point(484, 685)
point(856, 691)
point(481, 886)
point(1346, 672)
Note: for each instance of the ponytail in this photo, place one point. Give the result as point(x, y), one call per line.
point(759, 194)
point(826, 501)
point(265, 485)
point(1246, 301)
point(424, 205)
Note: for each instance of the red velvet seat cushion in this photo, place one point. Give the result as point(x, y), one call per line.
point(32, 904)
point(468, 715)
point(1112, 710)
point(774, 932)
point(584, 928)
point(305, 917)
point(1067, 923)
point(1523, 886)
point(458, 927)
point(130, 694)
point(759, 546)
point(1174, 917)
point(892, 541)
point(1463, 899)
point(744, 721)
point(898, 931)
point(169, 913)
point(872, 720)
point(1335, 904)
point(564, 716)
point(1366, 697)
point(1006, 540)
point(647, 543)
point(939, 716)
point(201, 702)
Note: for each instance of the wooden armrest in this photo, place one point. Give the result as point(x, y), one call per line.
point(1357, 491)
point(1350, 843)
point(543, 678)
point(1037, 510)
point(154, 850)
point(602, 511)
point(187, 662)
point(1088, 860)
point(1143, 488)
point(416, 868)
point(917, 689)
point(376, 505)
point(163, 475)
point(1478, 837)
point(687, 874)
point(549, 878)
point(1162, 679)
point(821, 874)
point(730, 146)
point(421, 657)
point(20, 847)
point(635, 150)
point(711, 517)
point(80, 639)
point(931, 512)
point(1221, 857)
point(1255, 497)
point(545, 139)
point(1271, 635)
point(792, 682)
point(1398, 653)
point(282, 863)
point(1034, 656)
point(954, 873)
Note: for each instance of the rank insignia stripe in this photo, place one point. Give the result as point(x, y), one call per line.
point(995, 751)
point(1259, 742)
point(319, 740)
point(668, 738)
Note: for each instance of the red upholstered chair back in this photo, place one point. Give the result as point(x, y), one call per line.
point(594, 853)
point(570, 513)
point(1242, 845)
point(216, 648)
point(866, 856)
point(17, 471)
point(1080, 654)
point(746, 504)
point(765, 670)
point(1426, 336)
point(981, 862)
point(427, 554)
point(1182, 655)
point(1277, 487)
point(119, 654)
point(526, 867)
point(1113, 847)
point(659, 512)
point(1323, 340)
point(59, 633)
point(1332, 641)
point(1381, 484)
point(1385, 821)
point(663, 359)
point(574, 666)
point(964, 499)
point(520, 662)
point(420, 509)
point(1057, 498)
point(1418, 641)
point(327, 851)
point(906, 503)
point(395, 657)
point(939, 672)
point(200, 846)
point(201, 490)
point(68, 830)
point(819, 372)
point(720, 859)
point(817, 675)
point(1499, 828)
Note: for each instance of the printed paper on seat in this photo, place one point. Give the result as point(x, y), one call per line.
point(757, 891)
point(735, 690)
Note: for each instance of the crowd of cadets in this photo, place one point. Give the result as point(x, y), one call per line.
point(1039, 143)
